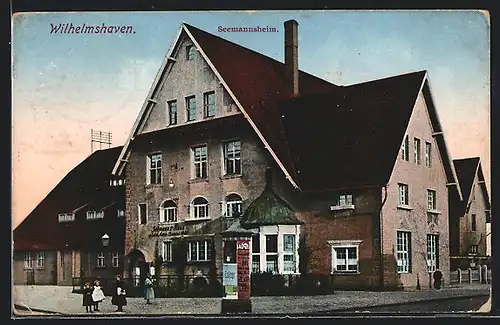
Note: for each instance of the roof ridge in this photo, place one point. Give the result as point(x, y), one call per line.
point(387, 78)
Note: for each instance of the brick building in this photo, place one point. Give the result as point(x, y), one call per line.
point(363, 168)
point(61, 238)
point(468, 223)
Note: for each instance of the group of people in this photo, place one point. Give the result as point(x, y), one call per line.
point(93, 295)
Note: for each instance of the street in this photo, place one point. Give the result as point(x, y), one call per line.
point(446, 306)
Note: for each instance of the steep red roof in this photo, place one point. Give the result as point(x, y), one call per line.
point(86, 183)
point(258, 82)
point(351, 138)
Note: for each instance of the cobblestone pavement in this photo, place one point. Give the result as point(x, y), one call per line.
point(61, 300)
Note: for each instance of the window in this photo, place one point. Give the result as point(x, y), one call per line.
point(200, 162)
point(432, 252)
point(191, 108)
point(168, 211)
point(91, 215)
point(120, 212)
point(474, 249)
point(28, 262)
point(166, 253)
point(200, 208)
point(142, 210)
point(232, 157)
point(416, 150)
point(345, 259)
point(256, 253)
point(198, 251)
point(289, 251)
point(234, 205)
point(101, 260)
point(272, 253)
point(473, 222)
point(403, 251)
point(209, 104)
point(154, 169)
point(40, 258)
point(428, 154)
point(431, 200)
point(403, 199)
point(115, 260)
point(405, 154)
point(172, 112)
point(190, 52)
point(66, 217)
point(344, 201)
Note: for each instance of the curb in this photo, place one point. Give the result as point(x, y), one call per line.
point(25, 308)
point(406, 303)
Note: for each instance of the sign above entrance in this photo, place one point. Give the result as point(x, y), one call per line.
point(168, 230)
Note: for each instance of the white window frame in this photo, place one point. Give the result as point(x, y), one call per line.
point(197, 208)
point(199, 164)
point(166, 251)
point(403, 195)
point(233, 200)
point(168, 214)
point(154, 163)
point(205, 246)
point(66, 217)
point(431, 200)
point(428, 154)
point(139, 215)
point(405, 153)
point(120, 213)
point(190, 51)
point(292, 253)
point(115, 260)
point(255, 255)
point(93, 215)
point(170, 106)
point(28, 261)
point(432, 252)
point(231, 152)
point(101, 260)
point(40, 260)
point(403, 251)
point(345, 201)
point(417, 144)
point(272, 254)
point(207, 105)
point(344, 245)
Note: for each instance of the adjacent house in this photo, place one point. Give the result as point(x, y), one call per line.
point(468, 223)
point(357, 183)
point(62, 238)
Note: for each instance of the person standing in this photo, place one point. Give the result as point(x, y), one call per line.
point(87, 297)
point(438, 278)
point(119, 295)
point(97, 294)
point(149, 292)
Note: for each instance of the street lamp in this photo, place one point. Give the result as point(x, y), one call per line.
point(105, 240)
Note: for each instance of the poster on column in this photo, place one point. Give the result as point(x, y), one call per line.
point(243, 261)
point(230, 280)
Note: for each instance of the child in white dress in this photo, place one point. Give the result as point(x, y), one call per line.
point(97, 295)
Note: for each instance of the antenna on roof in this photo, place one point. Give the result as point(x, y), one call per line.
point(99, 137)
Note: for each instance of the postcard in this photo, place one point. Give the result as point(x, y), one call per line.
point(271, 163)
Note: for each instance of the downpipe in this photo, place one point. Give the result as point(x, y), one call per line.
point(381, 266)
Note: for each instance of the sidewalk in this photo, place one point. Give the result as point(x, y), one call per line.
point(60, 300)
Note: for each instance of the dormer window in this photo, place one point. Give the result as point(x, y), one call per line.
point(91, 215)
point(66, 217)
point(344, 201)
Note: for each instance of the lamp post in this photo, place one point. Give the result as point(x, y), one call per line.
point(105, 240)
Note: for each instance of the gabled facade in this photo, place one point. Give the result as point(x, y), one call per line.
point(191, 173)
point(469, 236)
point(61, 238)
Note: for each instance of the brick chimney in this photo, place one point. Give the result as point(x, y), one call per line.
point(292, 55)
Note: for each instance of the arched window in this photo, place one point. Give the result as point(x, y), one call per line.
point(234, 205)
point(199, 208)
point(168, 211)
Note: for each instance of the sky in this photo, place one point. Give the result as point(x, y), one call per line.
point(64, 85)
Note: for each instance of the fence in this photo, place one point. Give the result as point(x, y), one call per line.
point(263, 284)
point(481, 274)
